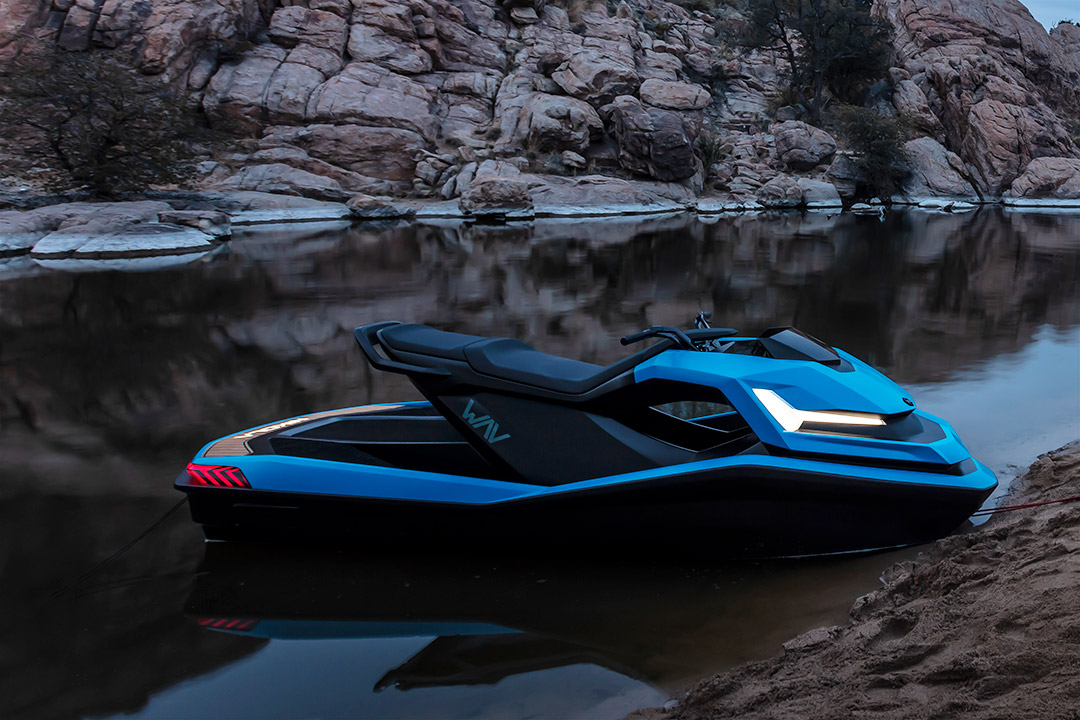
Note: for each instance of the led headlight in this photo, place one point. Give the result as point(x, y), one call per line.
point(792, 419)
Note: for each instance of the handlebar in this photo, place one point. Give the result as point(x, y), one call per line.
point(675, 334)
point(639, 336)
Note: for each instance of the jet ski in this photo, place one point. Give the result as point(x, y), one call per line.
point(704, 440)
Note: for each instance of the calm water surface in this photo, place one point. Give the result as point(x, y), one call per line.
point(110, 381)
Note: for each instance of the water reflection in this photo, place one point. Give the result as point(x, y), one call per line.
point(110, 381)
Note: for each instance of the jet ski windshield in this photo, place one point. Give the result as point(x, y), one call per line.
point(787, 343)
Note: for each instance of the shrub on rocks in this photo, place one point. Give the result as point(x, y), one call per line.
point(96, 122)
point(876, 142)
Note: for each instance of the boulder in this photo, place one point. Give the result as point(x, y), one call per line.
point(1048, 178)
point(369, 43)
point(290, 26)
point(674, 95)
point(783, 191)
point(596, 77)
point(234, 98)
point(128, 240)
point(524, 16)
point(599, 195)
point(819, 194)
point(21, 230)
point(351, 182)
point(911, 103)
point(572, 160)
point(287, 180)
point(557, 122)
point(844, 176)
point(376, 152)
point(652, 141)
point(212, 222)
point(372, 208)
point(366, 94)
point(800, 146)
point(496, 195)
point(936, 172)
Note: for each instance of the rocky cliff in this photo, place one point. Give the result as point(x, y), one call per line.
point(518, 101)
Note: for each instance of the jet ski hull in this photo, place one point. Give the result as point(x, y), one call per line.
point(764, 508)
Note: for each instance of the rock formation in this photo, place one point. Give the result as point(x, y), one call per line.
point(997, 84)
point(396, 97)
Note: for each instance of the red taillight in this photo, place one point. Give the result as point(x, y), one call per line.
point(217, 476)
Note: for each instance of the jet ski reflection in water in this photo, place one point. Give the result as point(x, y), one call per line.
point(774, 444)
point(483, 617)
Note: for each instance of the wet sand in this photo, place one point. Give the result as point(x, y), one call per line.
point(983, 624)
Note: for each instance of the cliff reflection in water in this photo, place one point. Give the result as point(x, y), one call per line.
point(110, 381)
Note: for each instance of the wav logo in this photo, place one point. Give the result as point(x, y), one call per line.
point(483, 423)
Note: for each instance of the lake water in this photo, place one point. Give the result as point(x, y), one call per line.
point(111, 380)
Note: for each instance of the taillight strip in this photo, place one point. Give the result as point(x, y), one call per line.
point(217, 476)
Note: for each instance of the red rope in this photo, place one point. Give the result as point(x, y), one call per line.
point(1009, 508)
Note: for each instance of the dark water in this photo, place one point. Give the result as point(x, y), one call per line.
point(109, 382)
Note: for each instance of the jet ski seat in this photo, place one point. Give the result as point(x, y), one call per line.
point(508, 359)
point(515, 361)
point(424, 340)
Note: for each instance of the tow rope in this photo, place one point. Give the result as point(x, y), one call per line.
point(1010, 508)
point(127, 546)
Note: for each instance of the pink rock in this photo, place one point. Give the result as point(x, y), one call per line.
point(1048, 178)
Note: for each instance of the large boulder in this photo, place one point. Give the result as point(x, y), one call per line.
point(1048, 179)
point(652, 141)
point(377, 152)
point(844, 176)
point(367, 94)
point(596, 77)
point(819, 194)
point(802, 147)
point(212, 222)
point(936, 172)
point(373, 208)
point(129, 240)
point(293, 25)
point(911, 103)
point(557, 122)
point(21, 230)
point(588, 194)
point(674, 95)
point(287, 180)
point(783, 191)
point(370, 43)
point(496, 195)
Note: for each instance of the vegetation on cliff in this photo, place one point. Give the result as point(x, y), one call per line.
point(94, 122)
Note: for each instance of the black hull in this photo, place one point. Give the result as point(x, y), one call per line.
point(745, 511)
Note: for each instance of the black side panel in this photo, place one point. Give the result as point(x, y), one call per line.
point(550, 444)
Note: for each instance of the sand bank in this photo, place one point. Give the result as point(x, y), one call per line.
point(983, 624)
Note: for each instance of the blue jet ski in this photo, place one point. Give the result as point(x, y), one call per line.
point(775, 444)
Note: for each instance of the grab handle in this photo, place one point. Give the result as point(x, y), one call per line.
point(368, 338)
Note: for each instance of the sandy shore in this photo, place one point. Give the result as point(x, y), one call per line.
point(984, 624)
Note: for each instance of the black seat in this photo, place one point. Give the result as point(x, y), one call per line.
point(515, 361)
point(424, 340)
point(501, 359)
